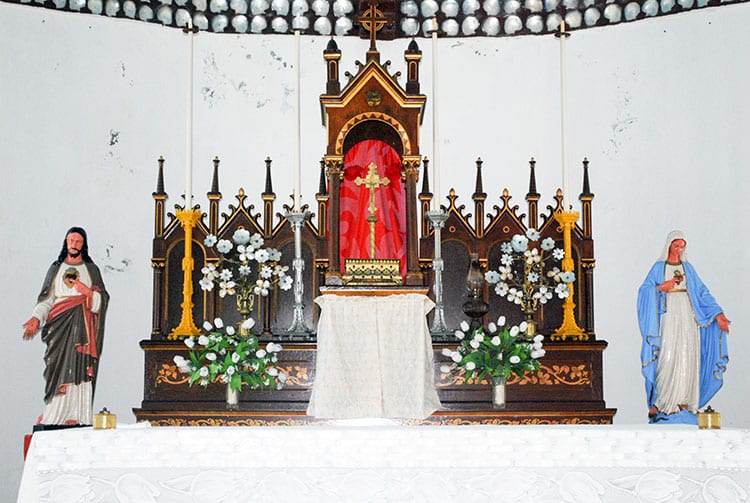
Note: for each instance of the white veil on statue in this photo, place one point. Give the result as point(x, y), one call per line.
point(671, 237)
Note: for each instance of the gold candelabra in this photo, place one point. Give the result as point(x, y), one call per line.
point(187, 328)
point(569, 328)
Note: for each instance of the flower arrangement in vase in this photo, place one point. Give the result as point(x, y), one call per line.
point(223, 355)
point(525, 276)
point(494, 355)
point(245, 269)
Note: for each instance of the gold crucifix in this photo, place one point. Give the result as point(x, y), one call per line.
point(372, 181)
point(373, 21)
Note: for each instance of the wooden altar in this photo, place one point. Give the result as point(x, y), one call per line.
point(372, 105)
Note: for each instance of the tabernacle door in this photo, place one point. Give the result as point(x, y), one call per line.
point(389, 199)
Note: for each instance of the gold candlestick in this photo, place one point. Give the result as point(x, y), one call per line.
point(187, 328)
point(569, 328)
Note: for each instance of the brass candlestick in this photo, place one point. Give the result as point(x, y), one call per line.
point(569, 328)
point(187, 328)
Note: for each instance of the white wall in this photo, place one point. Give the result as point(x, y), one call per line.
point(88, 104)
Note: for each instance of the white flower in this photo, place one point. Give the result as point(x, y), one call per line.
point(207, 326)
point(479, 336)
point(260, 353)
point(562, 290)
point(225, 274)
point(515, 295)
point(532, 256)
point(492, 328)
point(532, 277)
point(218, 323)
point(474, 344)
point(206, 284)
point(230, 370)
point(456, 356)
point(241, 237)
point(189, 342)
point(460, 335)
point(506, 272)
point(179, 360)
point(244, 270)
point(519, 243)
point(209, 241)
point(272, 371)
point(266, 272)
point(280, 270)
point(523, 326)
point(514, 359)
point(514, 331)
point(537, 353)
point(226, 287)
point(554, 273)
point(501, 321)
point(256, 240)
point(445, 369)
point(224, 246)
point(501, 289)
point(245, 253)
point(568, 277)
point(230, 330)
point(286, 282)
point(506, 260)
point(471, 365)
point(261, 256)
point(203, 340)
point(492, 277)
point(248, 324)
point(464, 326)
point(558, 254)
point(274, 255)
point(506, 248)
point(447, 352)
point(283, 377)
point(548, 244)
point(538, 338)
point(211, 357)
point(533, 234)
point(204, 371)
point(495, 341)
point(261, 287)
point(224, 378)
point(235, 357)
point(210, 271)
point(273, 348)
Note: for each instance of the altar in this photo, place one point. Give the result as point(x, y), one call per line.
point(377, 461)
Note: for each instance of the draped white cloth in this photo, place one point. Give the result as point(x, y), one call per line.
point(323, 463)
point(374, 358)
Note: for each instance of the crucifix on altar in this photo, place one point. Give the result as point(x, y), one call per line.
point(372, 181)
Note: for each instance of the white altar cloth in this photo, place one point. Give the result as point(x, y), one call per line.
point(572, 464)
point(374, 358)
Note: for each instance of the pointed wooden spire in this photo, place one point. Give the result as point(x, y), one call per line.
point(478, 187)
point(426, 176)
point(269, 185)
point(215, 178)
point(586, 188)
point(322, 190)
point(160, 178)
point(532, 178)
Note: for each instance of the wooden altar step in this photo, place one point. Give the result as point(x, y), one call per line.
point(566, 390)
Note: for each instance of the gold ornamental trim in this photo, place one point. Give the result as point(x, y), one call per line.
point(297, 375)
point(556, 375)
point(372, 272)
point(373, 116)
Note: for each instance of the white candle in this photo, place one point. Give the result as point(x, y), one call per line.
point(189, 128)
point(564, 116)
point(297, 154)
point(435, 122)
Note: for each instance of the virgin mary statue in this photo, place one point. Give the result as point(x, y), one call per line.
point(684, 337)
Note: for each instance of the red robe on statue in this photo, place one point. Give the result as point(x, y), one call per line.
point(390, 201)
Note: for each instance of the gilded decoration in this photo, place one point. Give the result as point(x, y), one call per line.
point(555, 375)
point(373, 116)
point(373, 97)
point(169, 374)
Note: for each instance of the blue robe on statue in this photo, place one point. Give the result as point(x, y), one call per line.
point(714, 351)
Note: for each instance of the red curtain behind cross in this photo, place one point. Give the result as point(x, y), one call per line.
point(390, 201)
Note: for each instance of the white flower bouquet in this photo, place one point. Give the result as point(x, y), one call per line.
point(222, 355)
point(244, 266)
point(525, 276)
point(495, 354)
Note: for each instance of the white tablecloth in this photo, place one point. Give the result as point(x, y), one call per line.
point(562, 464)
point(374, 358)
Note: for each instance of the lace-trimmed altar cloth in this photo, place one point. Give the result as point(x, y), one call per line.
point(374, 358)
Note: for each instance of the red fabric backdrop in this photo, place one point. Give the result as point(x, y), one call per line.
point(390, 201)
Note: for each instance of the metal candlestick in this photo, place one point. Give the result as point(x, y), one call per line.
point(298, 327)
point(439, 329)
